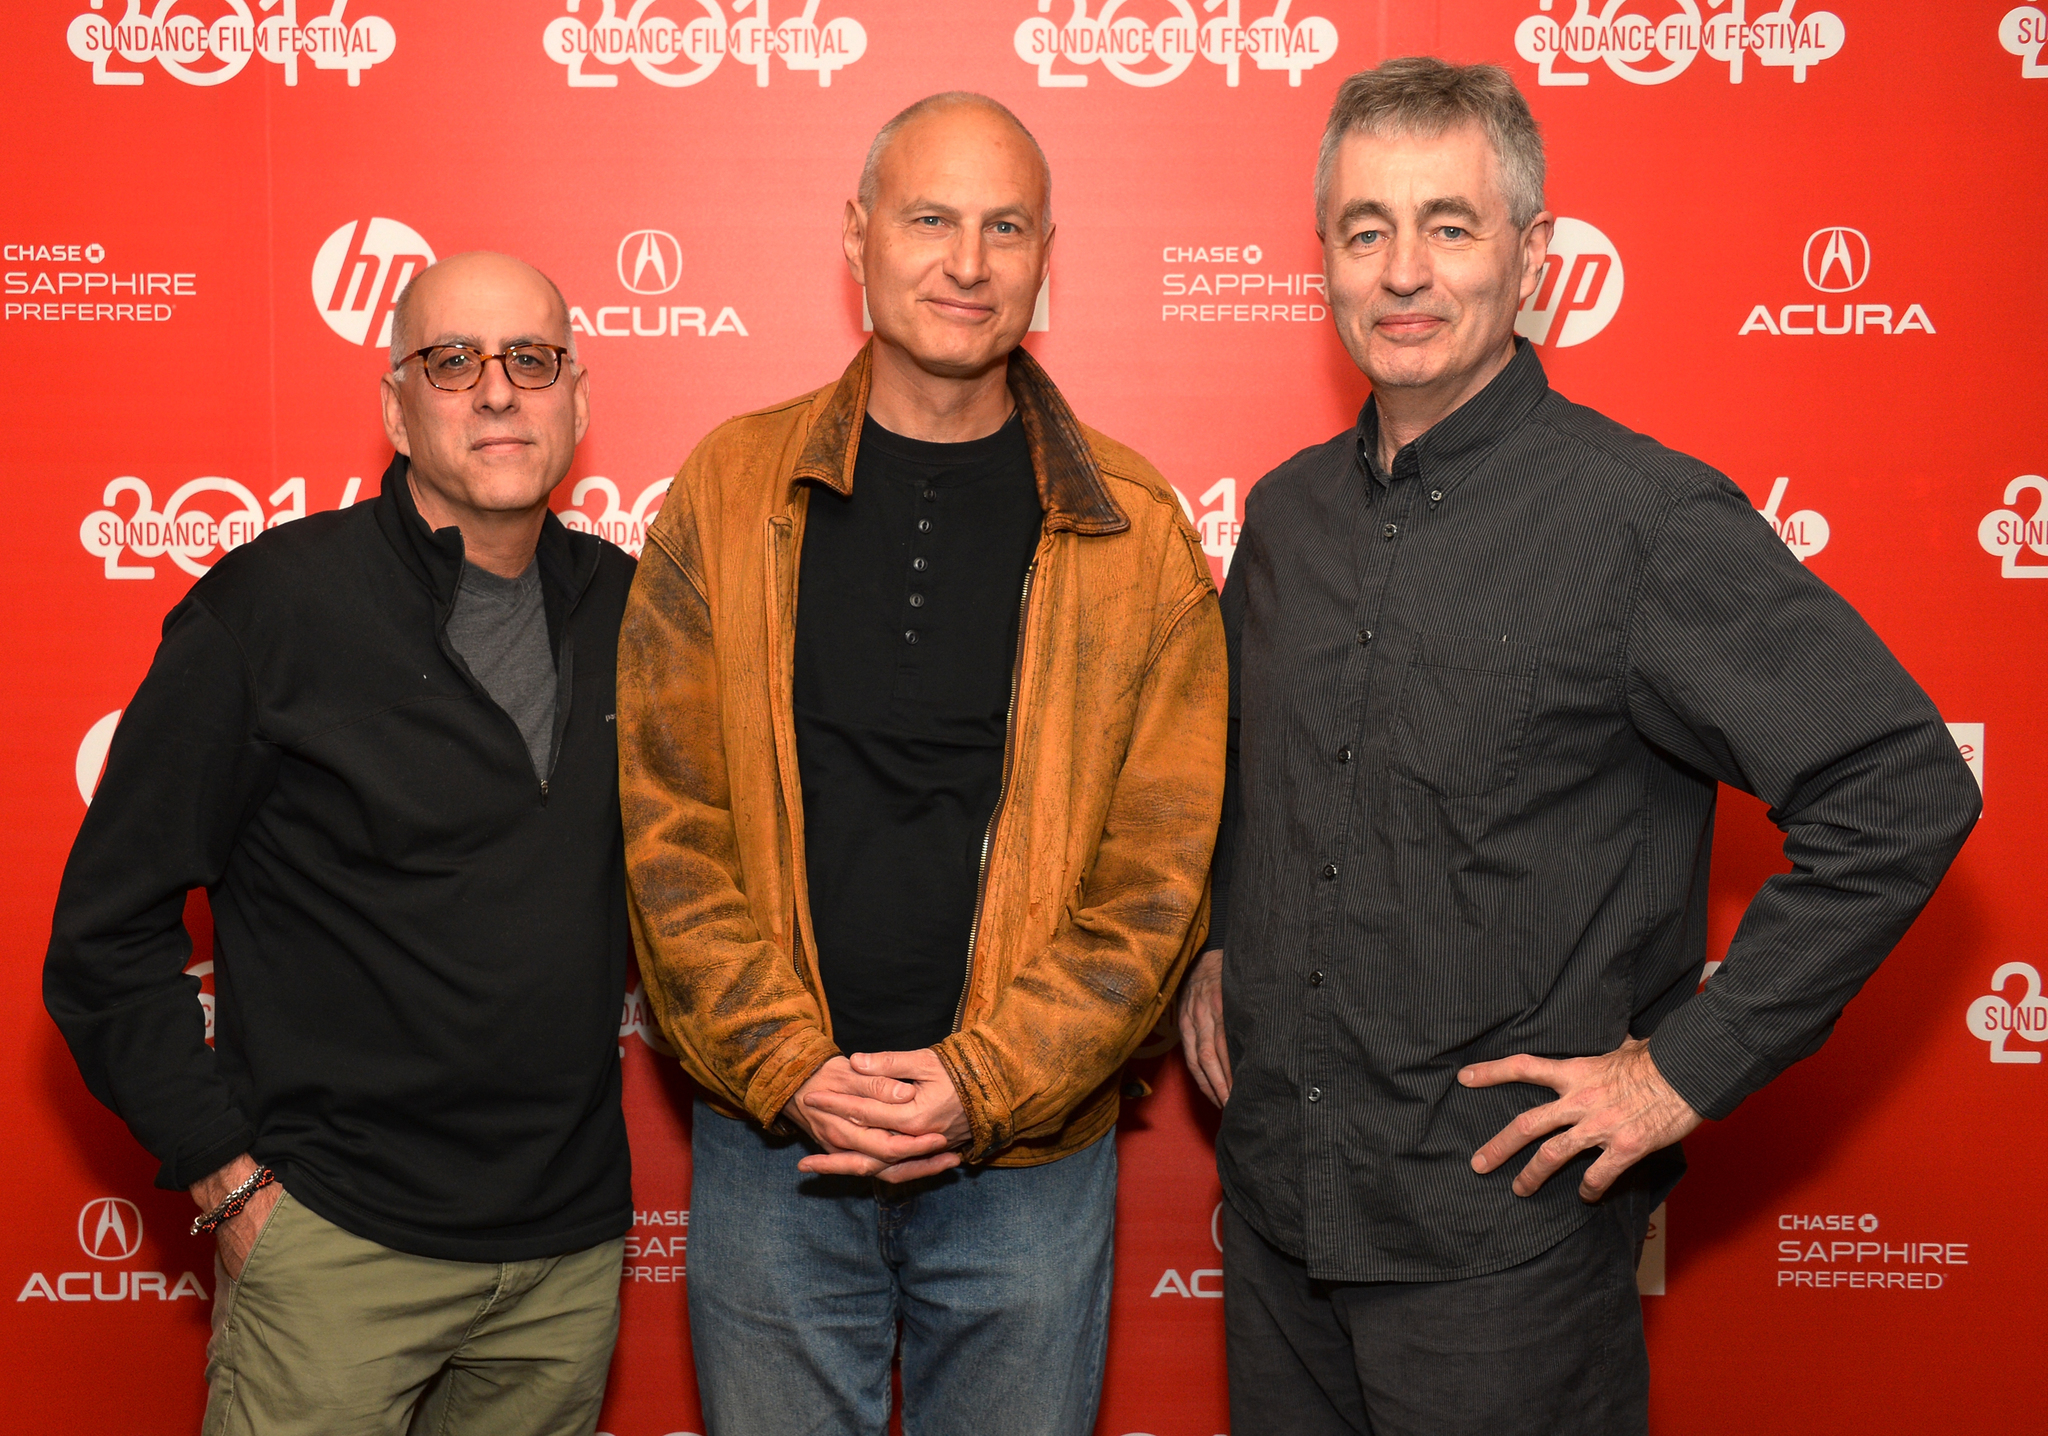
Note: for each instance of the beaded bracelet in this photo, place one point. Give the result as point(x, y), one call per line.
point(232, 1204)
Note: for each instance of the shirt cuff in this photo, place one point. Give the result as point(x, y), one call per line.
point(1219, 910)
point(1705, 1062)
point(776, 1080)
point(206, 1151)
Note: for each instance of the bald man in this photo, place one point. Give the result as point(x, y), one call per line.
point(921, 707)
point(382, 740)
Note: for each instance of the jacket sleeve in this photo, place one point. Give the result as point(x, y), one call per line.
point(1748, 668)
point(1117, 955)
point(183, 775)
point(742, 1020)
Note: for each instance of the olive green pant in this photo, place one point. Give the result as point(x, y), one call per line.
point(327, 1334)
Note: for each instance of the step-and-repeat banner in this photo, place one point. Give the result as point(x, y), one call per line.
point(1804, 244)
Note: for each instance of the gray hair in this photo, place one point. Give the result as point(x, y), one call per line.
point(401, 317)
point(1424, 96)
point(871, 171)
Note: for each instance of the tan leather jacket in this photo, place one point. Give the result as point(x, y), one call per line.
point(1095, 884)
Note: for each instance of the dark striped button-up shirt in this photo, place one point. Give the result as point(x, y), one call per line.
point(1479, 706)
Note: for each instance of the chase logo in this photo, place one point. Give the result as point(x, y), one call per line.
point(110, 1228)
point(359, 272)
point(650, 261)
point(1837, 259)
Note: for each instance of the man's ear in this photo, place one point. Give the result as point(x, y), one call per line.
point(394, 412)
point(854, 239)
point(580, 398)
point(1535, 250)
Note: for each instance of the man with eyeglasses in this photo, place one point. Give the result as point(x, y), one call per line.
point(383, 740)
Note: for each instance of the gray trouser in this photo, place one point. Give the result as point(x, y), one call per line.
point(327, 1334)
point(1553, 1347)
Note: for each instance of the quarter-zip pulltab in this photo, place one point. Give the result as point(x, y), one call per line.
point(543, 792)
point(988, 837)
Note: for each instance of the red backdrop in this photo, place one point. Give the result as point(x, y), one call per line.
point(1803, 245)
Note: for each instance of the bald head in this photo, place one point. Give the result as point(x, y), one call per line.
point(496, 274)
point(954, 108)
point(484, 458)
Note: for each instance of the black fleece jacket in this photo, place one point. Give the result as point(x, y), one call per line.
point(420, 951)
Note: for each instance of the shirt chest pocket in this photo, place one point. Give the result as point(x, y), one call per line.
point(1464, 708)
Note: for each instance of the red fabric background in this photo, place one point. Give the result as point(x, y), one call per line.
point(1715, 177)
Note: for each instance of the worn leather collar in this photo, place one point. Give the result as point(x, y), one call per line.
point(1070, 486)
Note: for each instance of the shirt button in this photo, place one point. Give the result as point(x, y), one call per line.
point(931, 495)
point(1436, 496)
point(1315, 1094)
point(918, 564)
point(1329, 870)
point(917, 600)
point(1344, 755)
point(1364, 637)
point(1390, 530)
point(924, 526)
point(1315, 979)
point(910, 635)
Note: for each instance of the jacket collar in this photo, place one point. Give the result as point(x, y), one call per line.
point(435, 555)
point(1070, 486)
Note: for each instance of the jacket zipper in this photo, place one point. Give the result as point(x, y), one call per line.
point(988, 837)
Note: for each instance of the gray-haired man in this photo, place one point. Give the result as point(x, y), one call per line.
point(1490, 653)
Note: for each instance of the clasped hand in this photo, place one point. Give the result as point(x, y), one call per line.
point(1619, 1102)
point(892, 1115)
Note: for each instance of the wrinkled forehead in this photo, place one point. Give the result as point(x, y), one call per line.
point(1405, 169)
point(487, 303)
point(965, 156)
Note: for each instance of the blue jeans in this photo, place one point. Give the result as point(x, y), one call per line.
point(999, 1277)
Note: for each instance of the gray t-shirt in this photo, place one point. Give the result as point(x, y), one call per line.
point(500, 627)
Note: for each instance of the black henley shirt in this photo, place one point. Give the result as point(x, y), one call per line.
point(908, 593)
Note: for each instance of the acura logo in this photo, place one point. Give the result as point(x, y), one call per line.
point(110, 1228)
point(1837, 259)
point(650, 261)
